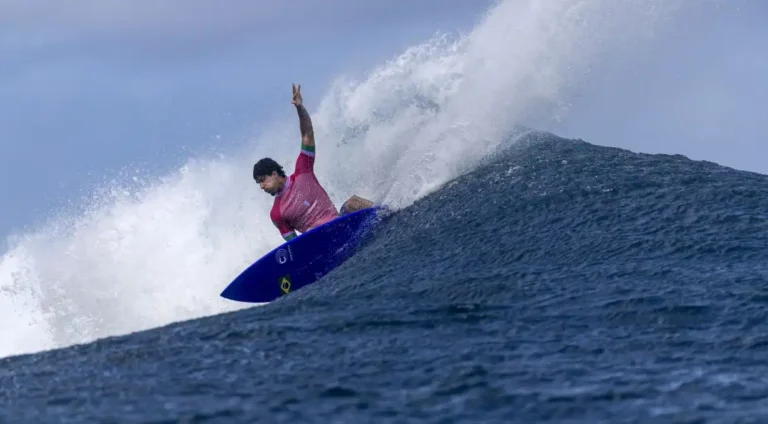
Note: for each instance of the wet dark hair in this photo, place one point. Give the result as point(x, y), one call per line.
point(266, 167)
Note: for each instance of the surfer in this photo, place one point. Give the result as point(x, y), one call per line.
point(301, 203)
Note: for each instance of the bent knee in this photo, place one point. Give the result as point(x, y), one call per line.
point(354, 204)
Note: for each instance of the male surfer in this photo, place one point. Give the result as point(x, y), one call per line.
point(301, 203)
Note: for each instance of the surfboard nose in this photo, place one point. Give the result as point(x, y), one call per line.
point(235, 291)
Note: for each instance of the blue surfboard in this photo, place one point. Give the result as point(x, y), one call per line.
point(305, 259)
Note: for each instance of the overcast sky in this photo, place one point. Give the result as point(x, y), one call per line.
point(700, 90)
point(89, 87)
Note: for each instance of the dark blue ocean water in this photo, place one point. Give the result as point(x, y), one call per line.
point(557, 282)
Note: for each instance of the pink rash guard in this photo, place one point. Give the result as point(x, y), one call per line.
point(302, 204)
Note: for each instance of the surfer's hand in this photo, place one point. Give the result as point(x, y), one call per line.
point(297, 100)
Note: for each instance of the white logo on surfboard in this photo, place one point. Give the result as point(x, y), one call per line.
point(282, 255)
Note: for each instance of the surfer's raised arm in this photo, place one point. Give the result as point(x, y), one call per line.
point(301, 203)
point(305, 123)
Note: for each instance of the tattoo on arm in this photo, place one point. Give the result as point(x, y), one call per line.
point(305, 123)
